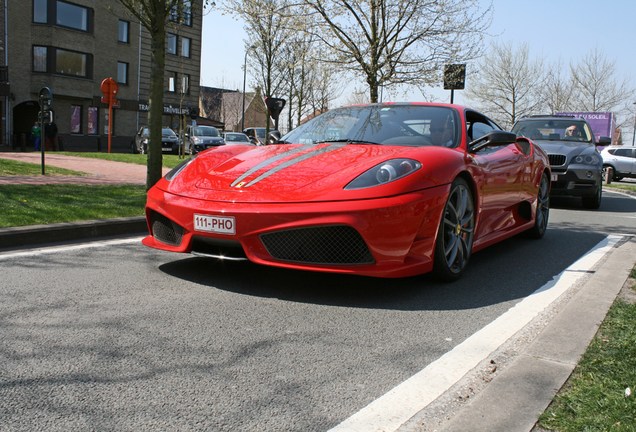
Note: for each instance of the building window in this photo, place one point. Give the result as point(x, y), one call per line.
point(40, 11)
point(61, 61)
point(185, 84)
point(172, 43)
point(76, 119)
point(72, 16)
point(185, 46)
point(123, 34)
point(93, 117)
point(172, 82)
point(122, 73)
point(71, 63)
point(39, 59)
point(63, 14)
point(182, 13)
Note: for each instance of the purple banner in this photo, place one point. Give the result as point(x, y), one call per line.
point(602, 123)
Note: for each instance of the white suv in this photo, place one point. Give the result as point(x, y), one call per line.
point(621, 159)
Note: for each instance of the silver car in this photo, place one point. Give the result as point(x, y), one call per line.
point(576, 164)
point(621, 159)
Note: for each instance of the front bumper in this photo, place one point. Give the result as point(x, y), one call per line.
point(387, 237)
point(577, 180)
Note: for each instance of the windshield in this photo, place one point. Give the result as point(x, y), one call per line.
point(167, 131)
point(206, 131)
point(409, 125)
point(554, 130)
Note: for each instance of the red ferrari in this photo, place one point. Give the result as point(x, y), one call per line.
point(385, 190)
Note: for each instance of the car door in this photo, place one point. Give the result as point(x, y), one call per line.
point(501, 169)
point(626, 160)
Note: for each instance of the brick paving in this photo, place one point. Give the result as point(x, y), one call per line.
point(98, 171)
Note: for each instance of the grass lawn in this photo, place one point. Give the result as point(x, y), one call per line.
point(596, 397)
point(22, 205)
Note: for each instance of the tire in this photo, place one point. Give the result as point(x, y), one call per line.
point(593, 202)
point(543, 209)
point(455, 233)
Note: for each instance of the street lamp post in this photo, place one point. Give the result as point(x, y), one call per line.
point(634, 132)
point(244, 80)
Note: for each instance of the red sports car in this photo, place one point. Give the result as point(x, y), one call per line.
point(386, 190)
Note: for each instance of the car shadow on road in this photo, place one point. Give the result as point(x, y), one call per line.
point(611, 203)
point(505, 272)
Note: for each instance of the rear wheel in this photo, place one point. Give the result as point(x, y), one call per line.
point(455, 235)
point(543, 209)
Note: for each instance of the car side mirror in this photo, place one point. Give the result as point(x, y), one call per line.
point(495, 138)
point(604, 141)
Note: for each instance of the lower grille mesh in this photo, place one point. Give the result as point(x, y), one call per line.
point(164, 230)
point(335, 244)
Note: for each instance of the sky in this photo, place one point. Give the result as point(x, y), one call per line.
point(564, 30)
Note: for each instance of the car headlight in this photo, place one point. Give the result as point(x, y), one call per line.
point(587, 159)
point(385, 172)
point(176, 170)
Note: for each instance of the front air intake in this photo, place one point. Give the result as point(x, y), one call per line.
point(165, 230)
point(334, 244)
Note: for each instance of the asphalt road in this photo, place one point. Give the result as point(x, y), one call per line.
point(114, 336)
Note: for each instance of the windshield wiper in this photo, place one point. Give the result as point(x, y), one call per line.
point(348, 141)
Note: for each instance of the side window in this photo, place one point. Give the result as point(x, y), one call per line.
point(623, 152)
point(479, 129)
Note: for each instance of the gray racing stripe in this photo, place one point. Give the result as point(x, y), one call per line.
point(293, 162)
point(270, 161)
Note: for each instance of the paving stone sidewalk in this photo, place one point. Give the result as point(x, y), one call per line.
point(98, 171)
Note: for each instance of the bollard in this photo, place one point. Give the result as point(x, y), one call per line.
point(609, 174)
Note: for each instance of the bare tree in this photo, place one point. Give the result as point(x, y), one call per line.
point(556, 91)
point(154, 16)
point(508, 84)
point(393, 42)
point(595, 87)
point(268, 26)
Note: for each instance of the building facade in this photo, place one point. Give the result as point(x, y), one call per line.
point(70, 47)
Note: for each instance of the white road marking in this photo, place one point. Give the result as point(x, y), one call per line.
point(393, 409)
point(57, 249)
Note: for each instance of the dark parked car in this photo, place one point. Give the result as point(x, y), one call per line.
point(169, 141)
point(576, 164)
point(199, 138)
point(258, 134)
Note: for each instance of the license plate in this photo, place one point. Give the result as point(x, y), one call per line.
point(215, 224)
point(555, 177)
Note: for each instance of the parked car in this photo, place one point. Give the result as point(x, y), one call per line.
point(169, 140)
point(384, 190)
point(576, 164)
point(236, 138)
point(621, 159)
point(257, 134)
point(199, 138)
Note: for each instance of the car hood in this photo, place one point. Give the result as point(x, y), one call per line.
point(567, 148)
point(296, 173)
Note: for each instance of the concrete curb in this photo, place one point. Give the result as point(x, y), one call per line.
point(17, 237)
point(514, 400)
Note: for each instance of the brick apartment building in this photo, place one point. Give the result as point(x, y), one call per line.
point(70, 46)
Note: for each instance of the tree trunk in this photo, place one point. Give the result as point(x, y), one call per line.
point(155, 114)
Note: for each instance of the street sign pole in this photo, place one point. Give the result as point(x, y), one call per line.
point(45, 108)
point(109, 89)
